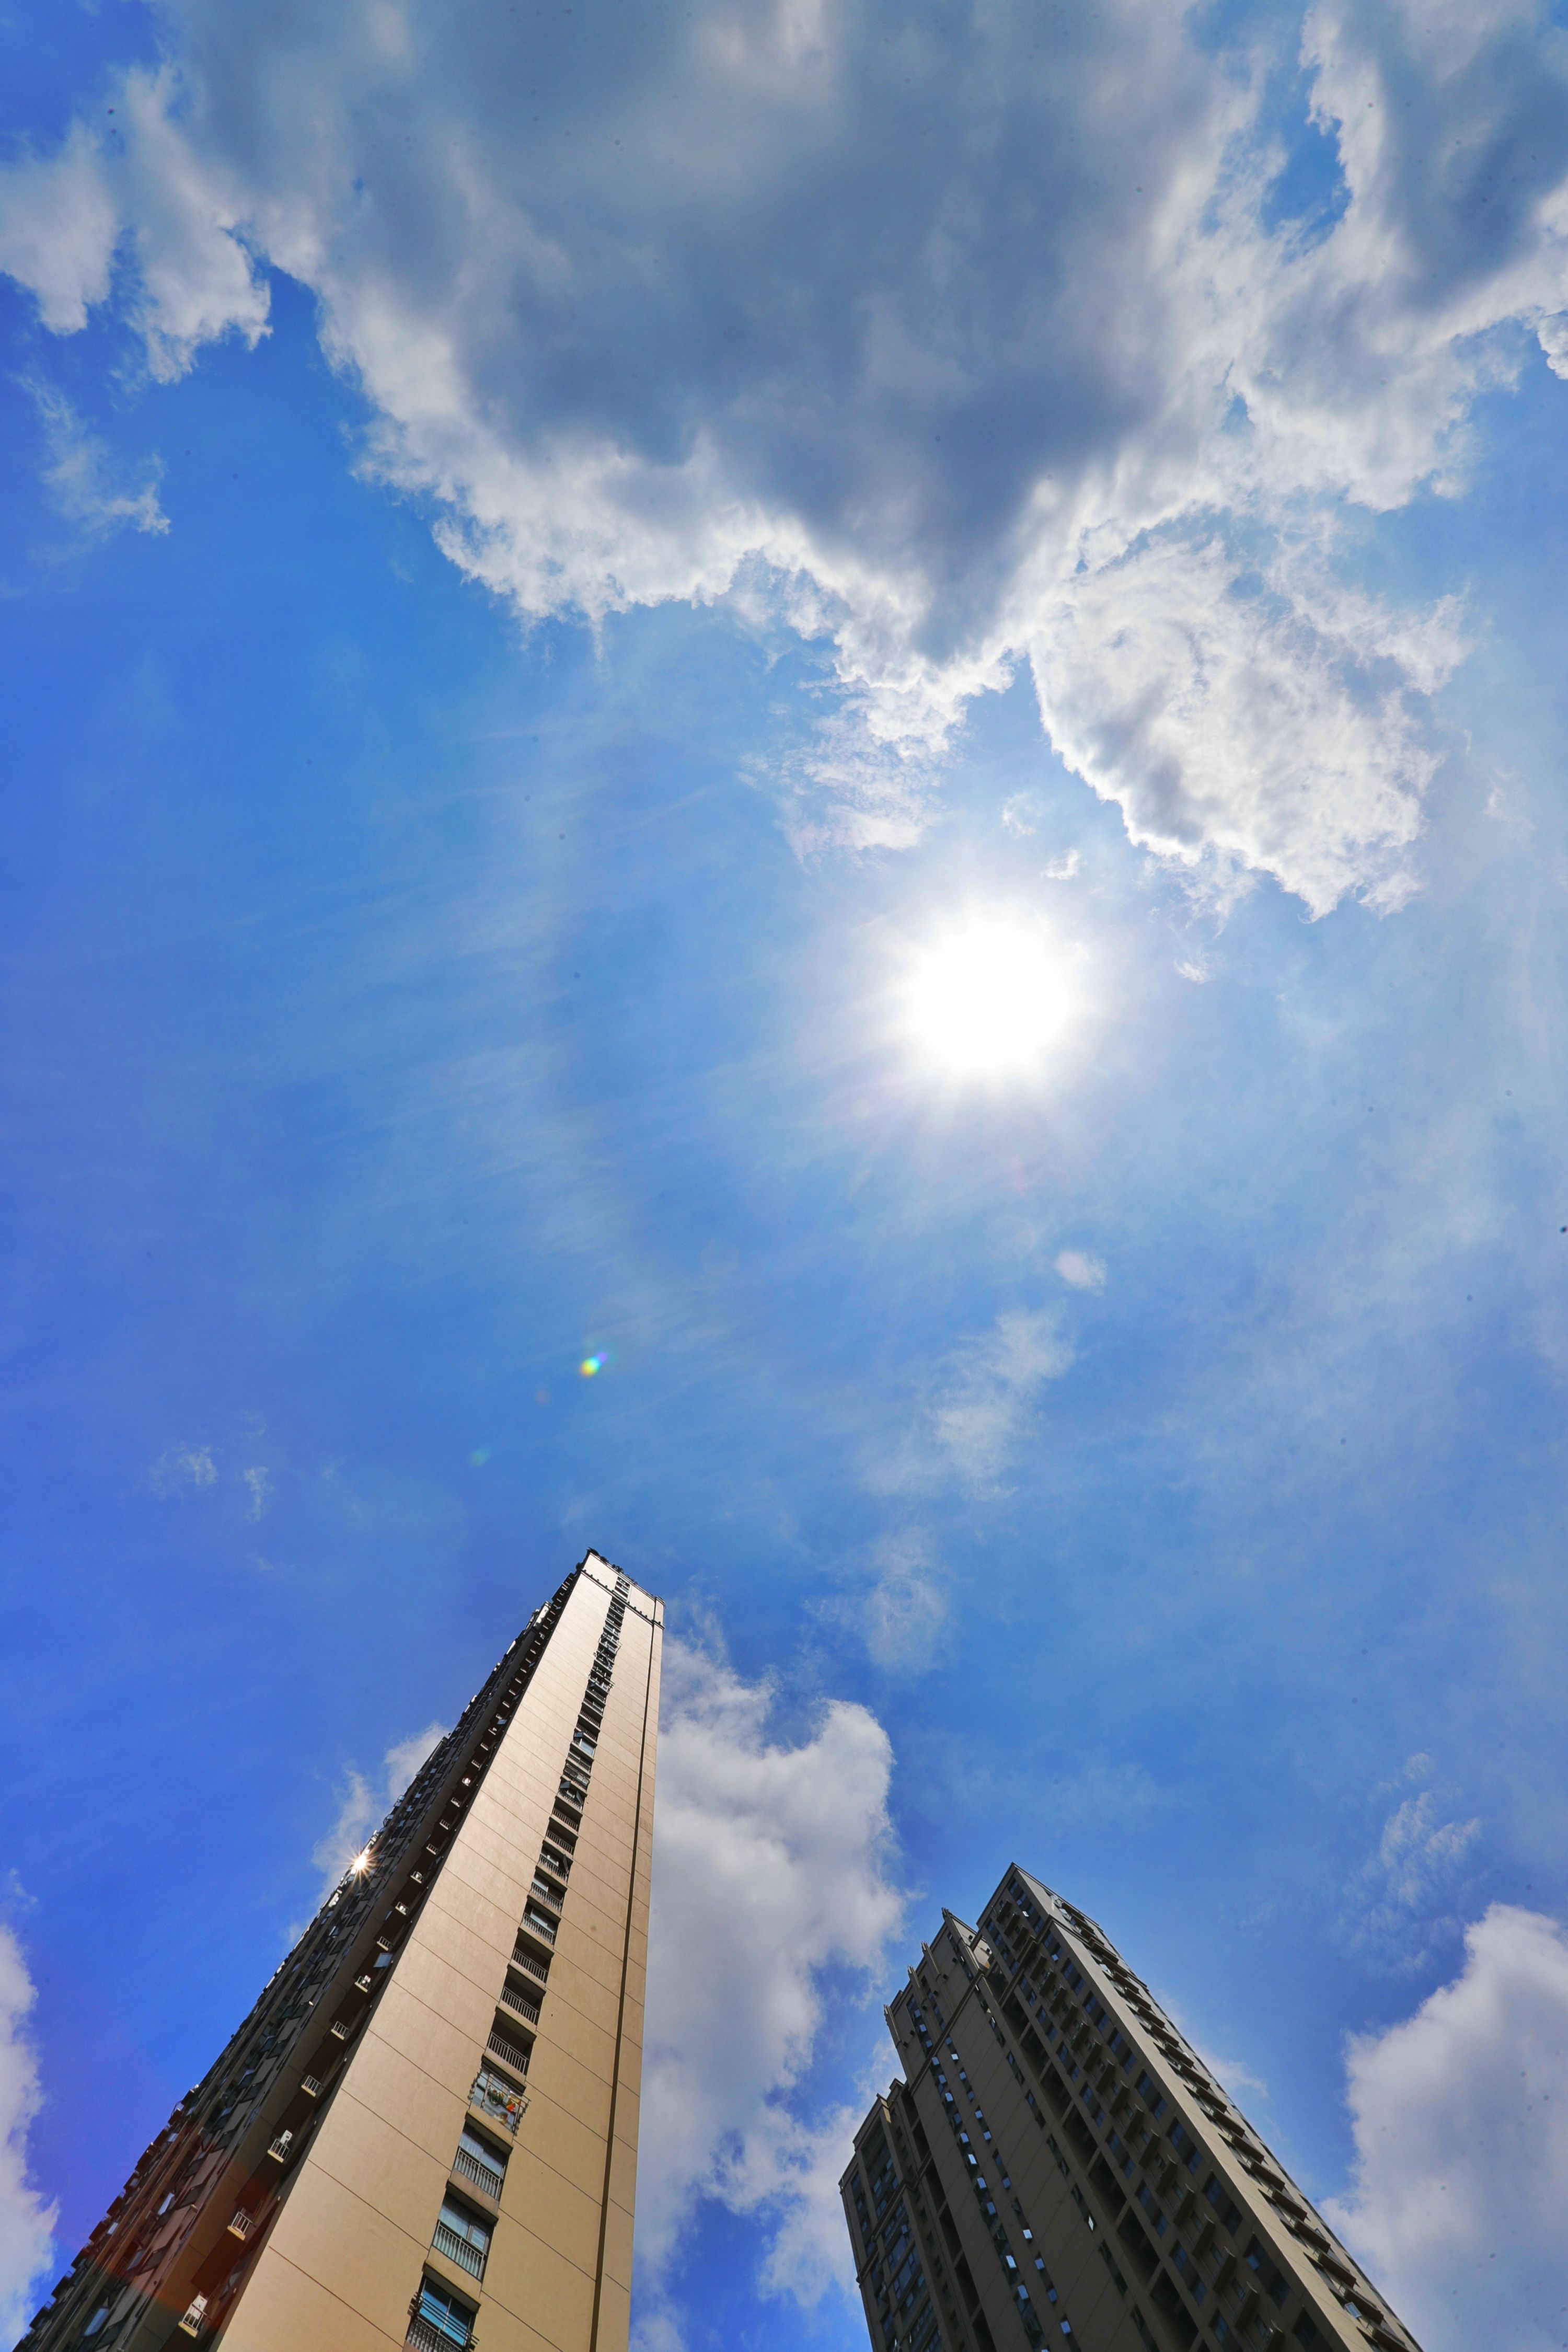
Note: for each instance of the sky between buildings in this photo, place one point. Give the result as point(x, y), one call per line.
point(568, 579)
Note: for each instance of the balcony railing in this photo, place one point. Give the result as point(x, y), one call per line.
point(512, 2053)
point(516, 1999)
point(547, 1893)
point(459, 2250)
point(428, 2337)
point(498, 2101)
point(539, 1922)
point(523, 1958)
point(484, 2176)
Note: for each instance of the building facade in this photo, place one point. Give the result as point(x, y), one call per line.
point(1059, 2168)
point(426, 2131)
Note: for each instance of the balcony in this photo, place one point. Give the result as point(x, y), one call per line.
point(515, 1998)
point(484, 2176)
point(428, 2337)
point(458, 2250)
point(510, 2054)
point(539, 1922)
point(523, 1958)
point(499, 2101)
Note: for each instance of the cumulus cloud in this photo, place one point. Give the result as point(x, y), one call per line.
point(773, 1860)
point(1461, 2134)
point(955, 344)
point(26, 2222)
point(1082, 1271)
point(182, 1468)
point(1402, 1900)
point(365, 1804)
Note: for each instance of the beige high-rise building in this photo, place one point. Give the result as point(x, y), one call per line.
point(1059, 2168)
point(426, 2131)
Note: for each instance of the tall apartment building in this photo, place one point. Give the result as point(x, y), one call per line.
point(1059, 2168)
point(426, 2131)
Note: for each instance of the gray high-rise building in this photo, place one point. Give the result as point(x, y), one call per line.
point(1059, 2168)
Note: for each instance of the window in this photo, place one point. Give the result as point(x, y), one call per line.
point(1189, 2270)
point(448, 2318)
point(480, 2162)
point(462, 2236)
point(1186, 2147)
point(1225, 2206)
point(1274, 2283)
point(1149, 2091)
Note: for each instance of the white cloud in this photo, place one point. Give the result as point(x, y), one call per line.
point(1402, 1899)
point(26, 2222)
point(363, 1806)
point(1082, 1271)
point(79, 472)
point(773, 1861)
point(901, 1611)
point(181, 1467)
point(984, 1403)
point(1461, 2134)
point(260, 1482)
point(954, 350)
point(58, 229)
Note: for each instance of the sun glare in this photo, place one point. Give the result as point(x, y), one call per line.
point(988, 998)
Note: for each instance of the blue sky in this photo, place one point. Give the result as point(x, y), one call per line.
point(523, 625)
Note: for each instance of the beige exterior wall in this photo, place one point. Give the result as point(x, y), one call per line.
point(354, 2239)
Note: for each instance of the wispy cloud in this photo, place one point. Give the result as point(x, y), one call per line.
point(27, 2222)
point(1400, 1905)
point(1080, 1270)
point(260, 1482)
point(897, 1603)
point(182, 1469)
point(981, 1404)
point(365, 1802)
point(84, 479)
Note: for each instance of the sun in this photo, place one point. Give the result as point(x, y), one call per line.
point(990, 996)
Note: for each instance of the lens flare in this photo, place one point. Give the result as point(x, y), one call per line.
point(590, 1365)
point(988, 998)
